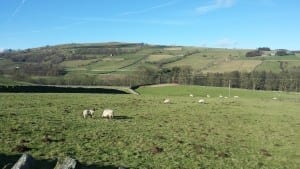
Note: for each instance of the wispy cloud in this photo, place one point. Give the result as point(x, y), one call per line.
point(226, 43)
point(19, 7)
point(215, 5)
point(149, 9)
point(130, 21)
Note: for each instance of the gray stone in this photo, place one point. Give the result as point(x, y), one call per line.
point(24, 162)
point(67, 163)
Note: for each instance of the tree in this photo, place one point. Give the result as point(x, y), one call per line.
point(264, 49)
point(281, 52)
point(147, 74)
point(234, 76)
point(271, 82)
point(185, 75)
point(245, 80)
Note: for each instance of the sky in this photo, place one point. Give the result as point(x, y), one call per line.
point(245, 24)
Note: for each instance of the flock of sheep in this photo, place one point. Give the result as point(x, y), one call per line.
point(201, 100)
point(107, 113)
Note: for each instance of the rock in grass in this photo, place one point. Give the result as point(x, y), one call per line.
point(24, 162)
point(67, 163)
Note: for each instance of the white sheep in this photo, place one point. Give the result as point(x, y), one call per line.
point(220, 96)
point(191, 95)
point(87, 113)
point(167, 101)
point(208, 96)
point(108, 113)
point(225, 97)
point(274, 98)
point(201, 101)
point(236, 97)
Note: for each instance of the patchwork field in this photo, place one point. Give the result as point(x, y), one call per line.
point(252, 131)
point(114, 62)
point(155, 58)
point(235, 65)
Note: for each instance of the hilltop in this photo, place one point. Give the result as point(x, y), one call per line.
point(114, 63)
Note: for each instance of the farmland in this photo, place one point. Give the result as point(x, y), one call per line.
point(131, 64)
point(105, 58)
point(253, 131)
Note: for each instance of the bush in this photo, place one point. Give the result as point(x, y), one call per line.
point(254, 53)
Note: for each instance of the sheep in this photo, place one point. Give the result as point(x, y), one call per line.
point(191, 95)
point(274, 98)
point(86, 113)
point(167, 101)
point(236, 97)
point(208, 96)
point(220, 96)
point(108, 113)
point(225, 97)
point(201, 101)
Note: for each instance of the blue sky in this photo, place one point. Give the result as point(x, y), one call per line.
point(210, 23)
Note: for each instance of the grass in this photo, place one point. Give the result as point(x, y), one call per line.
point(156, 58)
point(273, 66)
point(253, 131)
point(234, 65)
point(77, 63)
point(196, 61)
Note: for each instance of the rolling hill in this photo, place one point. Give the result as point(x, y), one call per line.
point(113, 61)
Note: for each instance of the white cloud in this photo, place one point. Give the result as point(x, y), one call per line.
point(216, 4)
point(18, 8)
point(226, 43)
point(1, 50)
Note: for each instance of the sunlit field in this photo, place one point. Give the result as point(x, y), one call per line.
point(255, 130)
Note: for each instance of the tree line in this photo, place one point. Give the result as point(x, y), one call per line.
point(257, 80)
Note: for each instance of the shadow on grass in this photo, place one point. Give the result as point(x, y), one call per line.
point(7, 161)
point(122, 118)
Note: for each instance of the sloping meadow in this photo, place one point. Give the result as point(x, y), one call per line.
point(250, 131)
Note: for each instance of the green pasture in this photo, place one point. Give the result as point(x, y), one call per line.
point(77, 63)
point(252, 131)
point(234, 65)
point(156, 58)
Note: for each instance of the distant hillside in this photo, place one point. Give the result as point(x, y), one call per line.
point(115, 62)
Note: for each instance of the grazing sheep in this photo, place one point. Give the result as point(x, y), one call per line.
point(274, 98)
point(191, 95)
point(167, 101)
point(208, 96)
point(201, 101)
point(87, 113)
point(220, 96)
point(108, 113)
point(236, 97)
point(225, 97)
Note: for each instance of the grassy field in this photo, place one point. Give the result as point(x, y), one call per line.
point(233, 65)
point(155, 58)
point(253, 131)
